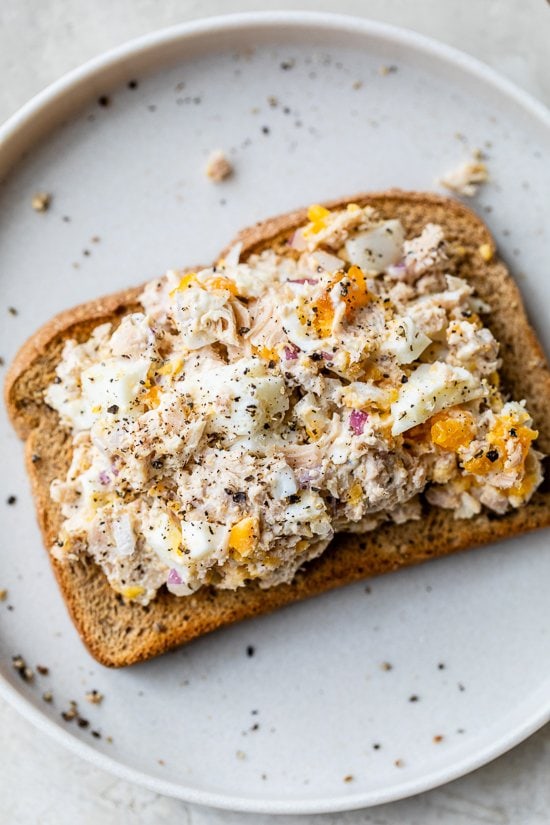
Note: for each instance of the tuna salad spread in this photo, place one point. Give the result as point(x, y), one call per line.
point(223, 433)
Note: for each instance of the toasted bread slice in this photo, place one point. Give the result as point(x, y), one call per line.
point(119, 634)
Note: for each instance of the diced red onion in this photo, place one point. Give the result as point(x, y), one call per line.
point(104, 477)
point(311, 281)
point(174, 577)
point(357, 421)
point(291, 352)
point(328, 356)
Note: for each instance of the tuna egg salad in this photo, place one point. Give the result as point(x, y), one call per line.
point(222, 434)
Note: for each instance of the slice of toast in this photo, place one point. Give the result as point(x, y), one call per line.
point(119, 634)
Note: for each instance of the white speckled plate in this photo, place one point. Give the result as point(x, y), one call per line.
point(281, 730)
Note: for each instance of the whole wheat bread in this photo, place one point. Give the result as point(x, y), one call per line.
point(119, 634)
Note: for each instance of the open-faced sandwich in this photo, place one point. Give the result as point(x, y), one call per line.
point(348, 389)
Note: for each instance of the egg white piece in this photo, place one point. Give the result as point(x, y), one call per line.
point(431, 388)
point(376, 248)
point(404, 340)
point(114, 382)
point(202, 538)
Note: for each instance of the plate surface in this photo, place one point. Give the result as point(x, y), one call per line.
point(312, 721)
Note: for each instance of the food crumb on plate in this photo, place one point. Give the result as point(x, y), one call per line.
point(250, 651)
point(94, 697)
point(47, 696)
point(43, 670)
point(466, 178)
point(399, 763)
point(413, 698)
point(71, 712)
point(41, 201)
point(240, 755)
point(348, 778)
point(386, 70)
point(3, 595)
point(218, 166)
point(386, 666)
point(437, 739)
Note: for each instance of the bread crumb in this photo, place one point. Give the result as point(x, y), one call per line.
point(71, 713)
point(43, 670)
point(486, 252)
point(94, 697)
point(348, 778)
point(41, 201)
point(386, 666)
point(218, 167)
point(47, 696)
point(3, 595)
point(466, 178)
point(438, 738)
point(399, 763)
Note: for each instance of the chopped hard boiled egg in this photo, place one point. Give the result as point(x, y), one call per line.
point(238, 399)
point(404, 340)
point(114, 383)
point(430, 388)
point(377, 248)
point(164, 537)
point(201, 538)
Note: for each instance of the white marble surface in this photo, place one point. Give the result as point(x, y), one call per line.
point(39, 41)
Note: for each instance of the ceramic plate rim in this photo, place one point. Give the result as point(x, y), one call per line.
point(51, 96)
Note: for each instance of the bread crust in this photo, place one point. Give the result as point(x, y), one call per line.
point(119, 634)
